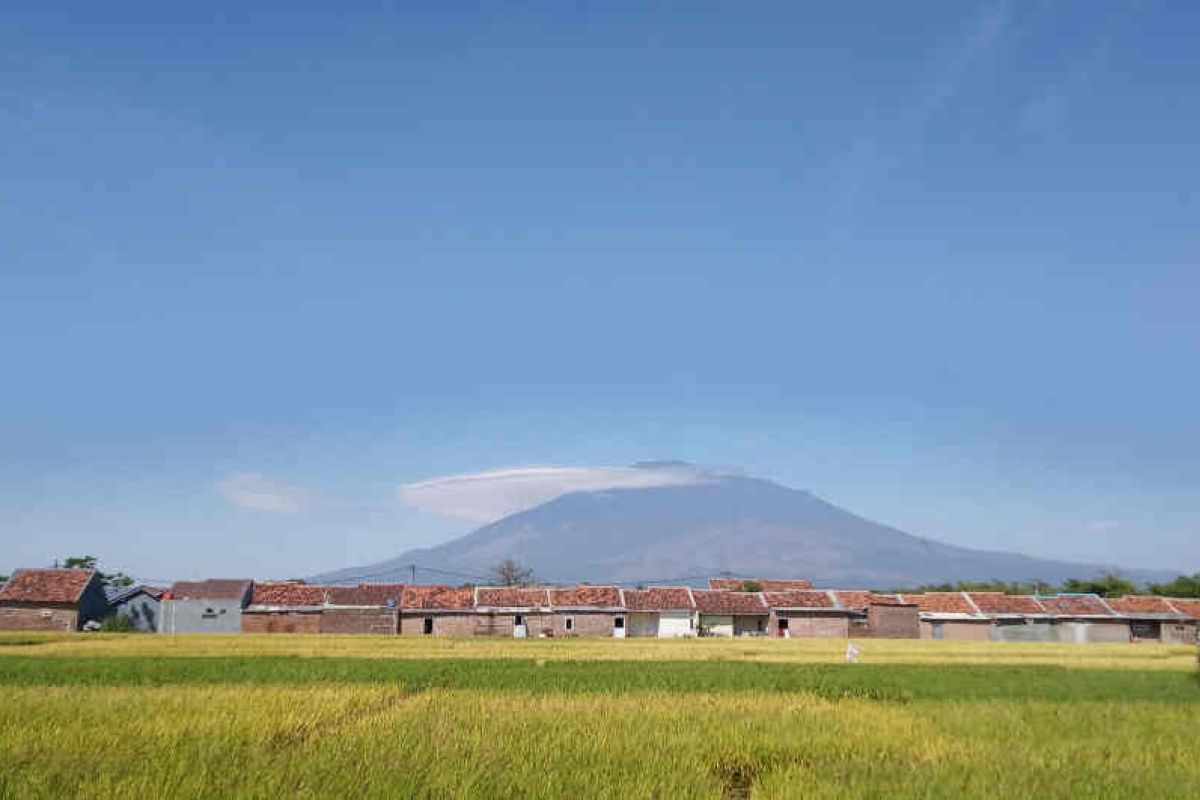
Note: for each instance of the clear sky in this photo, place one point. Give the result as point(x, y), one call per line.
point(937, 263)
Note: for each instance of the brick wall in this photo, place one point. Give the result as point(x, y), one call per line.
point(281, 622)
point(893, 622)
point(465, 624)
point(958, 629)
point(806, 626)
point(587, 623)
point(359, 620)
point(25, 618)
point(1179, 632)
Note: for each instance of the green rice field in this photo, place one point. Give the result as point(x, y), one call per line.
point(323, 716)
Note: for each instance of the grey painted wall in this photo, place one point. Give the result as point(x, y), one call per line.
point(142, 611)
point(1026, 632)
point(200, 616)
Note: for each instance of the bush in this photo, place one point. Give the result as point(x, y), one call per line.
point(116, 623)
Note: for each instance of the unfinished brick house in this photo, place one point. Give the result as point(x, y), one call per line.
point(950, 615)
point(284, 608)
point(512, 611)
point(1085, 618)
point(879, 616)
point(1015, 617)
point(588, 611)
point(663, 612)
point(366, 608)
point(1154, 619)
point(722, 613)
point(438, 611)
point(52, 600)
point(806, 613)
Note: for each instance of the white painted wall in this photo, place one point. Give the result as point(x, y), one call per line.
point(673, 624)
point(717, 624)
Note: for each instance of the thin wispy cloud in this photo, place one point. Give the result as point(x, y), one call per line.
point(1102, 526)
point(483, 497)
point(256, 492)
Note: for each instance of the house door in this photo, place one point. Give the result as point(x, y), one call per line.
point(783, 628)
point(618, 627)
point(519, 630)
point(427, 626)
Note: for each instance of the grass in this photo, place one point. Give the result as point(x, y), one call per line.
point(152, 716)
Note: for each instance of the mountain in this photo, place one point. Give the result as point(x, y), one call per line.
point(682, 534)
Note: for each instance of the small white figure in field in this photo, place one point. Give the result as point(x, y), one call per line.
point(851, 653)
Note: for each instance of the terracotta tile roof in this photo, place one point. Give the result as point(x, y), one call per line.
point(216, 589)
point(1186, 605)
point(287, 594)
point(511, 597)
point(586, 597)
point(1074, 605)
point(765, 584)
point(859, 600)
point(366, 594)
point(1001, 603)
point(659, 598)
point(799, 598)
point(718, 602)
point(46, 585)
point(1140, 604)
point(942, 602)
point(437, 597)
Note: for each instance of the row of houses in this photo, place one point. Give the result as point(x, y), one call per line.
point(70, 599)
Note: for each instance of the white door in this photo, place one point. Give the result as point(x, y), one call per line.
point(519, 631)
point(618, 627)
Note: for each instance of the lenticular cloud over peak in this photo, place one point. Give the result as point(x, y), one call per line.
point(484, 497)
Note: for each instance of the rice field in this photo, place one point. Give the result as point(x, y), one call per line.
point(272, 716)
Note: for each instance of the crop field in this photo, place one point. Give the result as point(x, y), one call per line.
point(323, 716)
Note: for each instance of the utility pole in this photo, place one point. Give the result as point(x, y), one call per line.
point(412, 573)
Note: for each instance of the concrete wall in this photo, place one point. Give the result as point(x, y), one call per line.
point(39, 618)
point(444, 624)
point(893, 622)
point(1179, 632)
point(586, 623)
point(360, 620)
point(978, 630)
point(808, 625)
point(750, 624)
point(1092, 631)
point(675, 624)
point(201, 616)
point(1026, 631)
point(281, 621)
point(142, 611)
point(716, 624)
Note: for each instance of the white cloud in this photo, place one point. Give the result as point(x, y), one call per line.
point(1102, 526)
point(487, 496)
point(256, 492)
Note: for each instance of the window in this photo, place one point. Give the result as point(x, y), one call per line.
point(518, 620)
point(619, 623)
point(427, 626)
point(783, 624)
point(569, 624)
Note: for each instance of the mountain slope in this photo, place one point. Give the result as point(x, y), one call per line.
point(742, 525)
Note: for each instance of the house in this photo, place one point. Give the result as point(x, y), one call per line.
point(806, 613)
point(763, 584)
point(1015, 617)
point(722, 613)
point(366, 608)
point(438, 611)
point(52, 600)
point(665, 612)
point(879, 616)
point(211, 606)
point(1084, 618)
point(141, 605)
point(513, 611)
point(1154, 619)
point(284, 607)
point(1189, 607)
point(588, 611)
point(950, 615)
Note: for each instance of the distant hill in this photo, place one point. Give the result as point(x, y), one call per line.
point(746, 526)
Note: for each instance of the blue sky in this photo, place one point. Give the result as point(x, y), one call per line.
point(259, 268)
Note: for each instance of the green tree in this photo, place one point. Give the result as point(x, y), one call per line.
point(751, 586)
point(1109, 585)
point(1183, 586)
point(118, 580)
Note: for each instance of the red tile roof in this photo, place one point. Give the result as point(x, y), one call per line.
point(586, 597)
point(287, 594)
point(366, 594)
point(718, 602)
point(859, 600)
point(46, 585)
point(437, 597)
point(216, 589)
point(511, 597)
point(942, 602)
point(1140, 604)
point(764, 584)
point(1186, 605)
point(797, 598)
point(659, 598)
point(1001, 603)
point(1075, 605)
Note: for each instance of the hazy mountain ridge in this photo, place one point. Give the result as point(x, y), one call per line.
point(746, 526)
